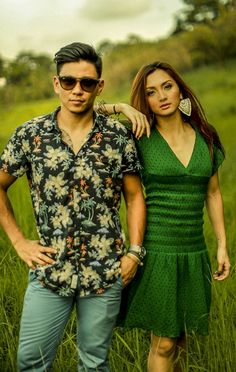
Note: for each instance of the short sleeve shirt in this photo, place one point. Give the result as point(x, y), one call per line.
point(76, 198)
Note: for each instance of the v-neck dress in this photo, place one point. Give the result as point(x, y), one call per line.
point(171, 292)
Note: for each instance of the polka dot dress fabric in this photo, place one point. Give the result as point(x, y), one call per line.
point(171, 293)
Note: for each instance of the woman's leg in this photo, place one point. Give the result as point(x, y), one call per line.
point(180, 355)
point(43, 320)
point(161, 355)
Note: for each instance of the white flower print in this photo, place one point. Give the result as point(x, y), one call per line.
point(63, 275)
point(76, 198)
point(94, 242)
point(25, 146)
point(105, 219)
point(111, 153)
point(108, 193)
point(61, 218)
point(57, 185)
point(54, 157)
point(88, 274)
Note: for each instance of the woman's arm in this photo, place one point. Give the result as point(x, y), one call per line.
point(138, 120)
point(215, 210)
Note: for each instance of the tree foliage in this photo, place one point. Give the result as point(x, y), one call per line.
point(201, 12)
point(2, 67)
point(29, 75)
point(206, 44)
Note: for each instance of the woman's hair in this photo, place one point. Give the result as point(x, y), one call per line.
point(76, 52)
point(198, 118)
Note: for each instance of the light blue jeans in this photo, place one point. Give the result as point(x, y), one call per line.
point(44, 318)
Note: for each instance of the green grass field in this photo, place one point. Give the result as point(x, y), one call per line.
point(216, 88)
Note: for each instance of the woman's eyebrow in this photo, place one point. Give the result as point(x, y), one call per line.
point(153, 87)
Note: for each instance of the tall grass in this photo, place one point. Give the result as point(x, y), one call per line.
point(215, 353)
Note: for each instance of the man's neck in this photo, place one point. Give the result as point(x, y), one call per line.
point(75, 128)
point(71, 122)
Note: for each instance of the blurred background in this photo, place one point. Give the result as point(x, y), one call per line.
point(187, 33)
point(198, 38)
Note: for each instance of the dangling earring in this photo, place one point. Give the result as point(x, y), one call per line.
point(185, 106)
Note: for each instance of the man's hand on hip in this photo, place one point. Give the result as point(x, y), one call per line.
point(33, 254)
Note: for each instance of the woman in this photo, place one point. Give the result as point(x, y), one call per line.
point(171, 294)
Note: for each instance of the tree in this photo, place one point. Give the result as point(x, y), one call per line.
point(28, 77)
point(2, 67)
point(201, 12)
point(105, 47)
point(25, 65)
point(133, 39)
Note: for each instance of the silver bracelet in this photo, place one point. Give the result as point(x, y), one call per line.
point(134, 258)
point(101, 108)
point(138, 250)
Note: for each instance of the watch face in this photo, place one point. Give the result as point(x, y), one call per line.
point(139, 250)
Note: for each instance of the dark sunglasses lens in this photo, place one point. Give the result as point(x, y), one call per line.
point(67, 82)
point(88, 84)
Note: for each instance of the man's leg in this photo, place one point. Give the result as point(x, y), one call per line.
point(44, 317)
point(96, 319)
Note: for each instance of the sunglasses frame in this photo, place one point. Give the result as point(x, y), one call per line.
point(80, 80)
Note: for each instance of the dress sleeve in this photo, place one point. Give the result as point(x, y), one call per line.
point(218, 158)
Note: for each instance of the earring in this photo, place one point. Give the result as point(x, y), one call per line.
point(185, 106)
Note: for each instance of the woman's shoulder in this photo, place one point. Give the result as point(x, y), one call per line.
point(145, 144)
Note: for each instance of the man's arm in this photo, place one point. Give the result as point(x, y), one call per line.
point(29, 251)
point(136, 222)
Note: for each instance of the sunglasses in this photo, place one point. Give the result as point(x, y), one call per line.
point(86, 83)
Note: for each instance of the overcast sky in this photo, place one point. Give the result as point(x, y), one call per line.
point(46, 25)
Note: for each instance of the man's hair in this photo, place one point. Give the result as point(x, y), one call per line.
point(76, 52)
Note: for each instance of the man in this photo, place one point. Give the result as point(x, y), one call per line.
point(77, 163)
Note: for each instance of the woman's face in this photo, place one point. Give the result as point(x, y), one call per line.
point(163, 94)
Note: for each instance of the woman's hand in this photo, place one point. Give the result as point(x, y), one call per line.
point(138, 120)
point(140, 125)
point(128, 270)
point(214, 205)
point(223, 265)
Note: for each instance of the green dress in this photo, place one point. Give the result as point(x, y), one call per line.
point(171, 292)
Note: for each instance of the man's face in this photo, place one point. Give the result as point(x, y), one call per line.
point(78, 97)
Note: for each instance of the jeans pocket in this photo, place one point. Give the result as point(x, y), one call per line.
point(120, 281)
point(32, 276)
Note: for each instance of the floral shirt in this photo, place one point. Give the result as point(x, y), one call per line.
point(76, 199)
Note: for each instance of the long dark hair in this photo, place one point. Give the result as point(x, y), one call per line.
point(198, 118)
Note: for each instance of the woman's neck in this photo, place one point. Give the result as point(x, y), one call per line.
point(171, 124)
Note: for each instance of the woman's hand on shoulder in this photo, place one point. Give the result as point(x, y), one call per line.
point(140, 124)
